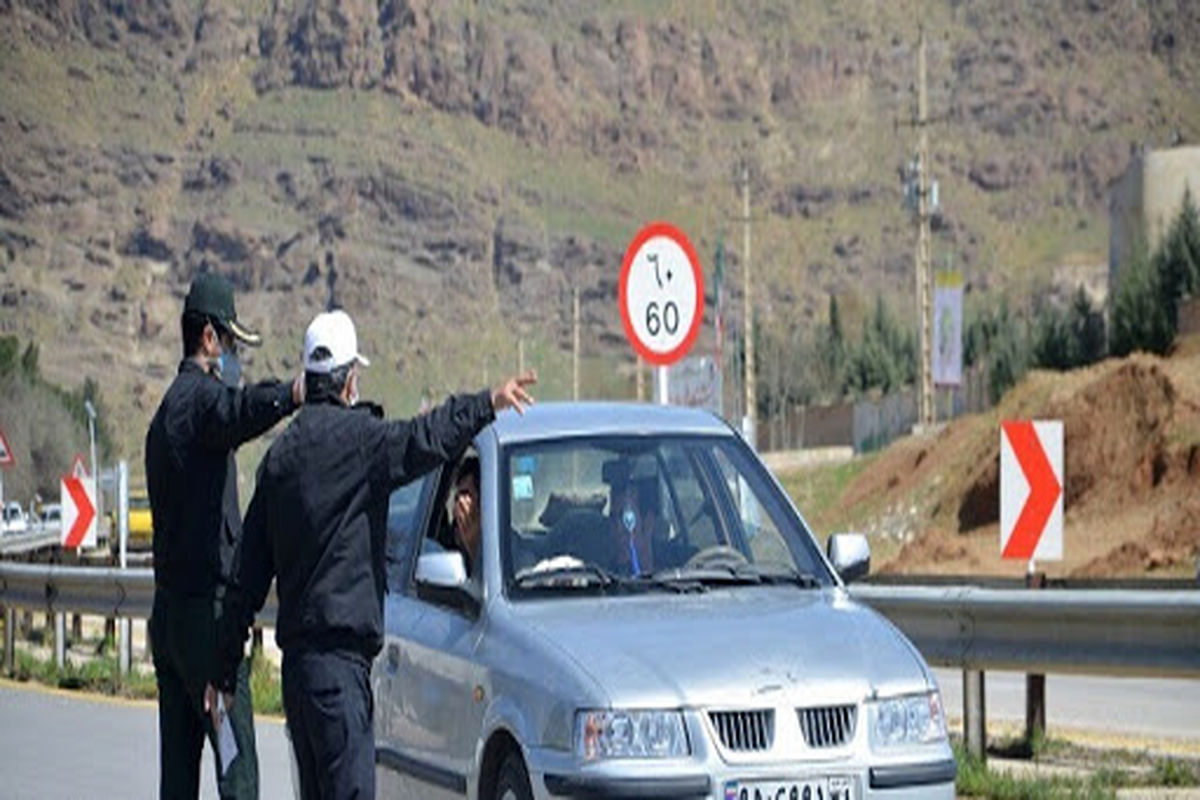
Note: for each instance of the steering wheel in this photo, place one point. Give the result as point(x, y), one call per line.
point(720, 555)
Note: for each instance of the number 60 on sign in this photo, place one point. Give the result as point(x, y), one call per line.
point(661, 294)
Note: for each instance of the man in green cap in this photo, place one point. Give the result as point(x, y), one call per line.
point(191, 475)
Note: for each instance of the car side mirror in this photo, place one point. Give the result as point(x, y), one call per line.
point(850, 554)
point(442, 578)
point(445, 570)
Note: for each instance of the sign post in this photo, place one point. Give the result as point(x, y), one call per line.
point(1031, 520)
point(661, 298)
point(79, 468)
point(6, 461)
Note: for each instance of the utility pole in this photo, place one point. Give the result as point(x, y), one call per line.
point(748, 421)
point(921, 197)
point(575, 380)
point(924, 261)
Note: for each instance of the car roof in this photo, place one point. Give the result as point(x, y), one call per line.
point(568, 420)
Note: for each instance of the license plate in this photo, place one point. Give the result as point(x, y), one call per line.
point(840, 788)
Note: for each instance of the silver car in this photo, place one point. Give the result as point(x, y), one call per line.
point(649, 617)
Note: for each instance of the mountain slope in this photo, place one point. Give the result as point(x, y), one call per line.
point(449, 171)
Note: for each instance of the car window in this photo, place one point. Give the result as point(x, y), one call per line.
point(439, 533)
point(755, 525)
point(638, 506)
point(404, 520)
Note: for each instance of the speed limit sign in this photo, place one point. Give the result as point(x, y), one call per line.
point(661, 294)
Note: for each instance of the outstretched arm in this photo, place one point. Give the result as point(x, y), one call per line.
point(232, 417)
point(413, 447)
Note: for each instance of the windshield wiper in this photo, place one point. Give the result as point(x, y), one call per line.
point(575, 576)
point(741, 574)
point(705, 575)
point(780, 573)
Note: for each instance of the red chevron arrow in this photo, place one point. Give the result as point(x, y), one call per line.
point(85, 512)
point(1044, 489)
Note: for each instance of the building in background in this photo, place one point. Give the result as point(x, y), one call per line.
point(1143, 201)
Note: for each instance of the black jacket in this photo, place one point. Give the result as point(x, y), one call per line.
point(318, 522)
point(191, 474)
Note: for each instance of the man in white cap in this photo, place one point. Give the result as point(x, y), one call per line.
point(318, 524)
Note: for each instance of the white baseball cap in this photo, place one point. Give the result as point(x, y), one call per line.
point(332, 338)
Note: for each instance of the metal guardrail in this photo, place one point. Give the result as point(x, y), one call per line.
point(12, 544)
point(103, 591)
point(1104, 632)
point(1088, 631)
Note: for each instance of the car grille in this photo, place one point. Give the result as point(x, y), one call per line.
point(745, 731)
point(831, 726)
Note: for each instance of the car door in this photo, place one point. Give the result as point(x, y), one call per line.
point(435, 719)
point(408, 509)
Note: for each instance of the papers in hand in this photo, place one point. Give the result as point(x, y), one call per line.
point(227, 747)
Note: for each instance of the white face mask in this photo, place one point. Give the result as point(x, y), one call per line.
point(353, 398)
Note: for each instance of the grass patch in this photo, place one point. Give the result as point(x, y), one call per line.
point(976, 779)
point(1169, 772)
point(817, 491)
point(265, 686)
point(100, 675)
point(1106, 771)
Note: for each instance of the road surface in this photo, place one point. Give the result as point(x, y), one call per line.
point(67, 746)
point(62, 746)
point(1138, 707)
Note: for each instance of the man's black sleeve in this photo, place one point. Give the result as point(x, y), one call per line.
point(246, 592)
point(232, 417)
point(410, 448)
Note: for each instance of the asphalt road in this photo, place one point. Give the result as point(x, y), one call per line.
point(1168, 709)
point(59, 746)
point(63, 746)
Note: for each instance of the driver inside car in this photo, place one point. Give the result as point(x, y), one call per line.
point(465, 510)
point(633, 520)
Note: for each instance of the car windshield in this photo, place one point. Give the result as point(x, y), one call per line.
point(650, 513)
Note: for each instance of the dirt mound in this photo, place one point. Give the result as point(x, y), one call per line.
point(1132, 482)
point(1114, 432)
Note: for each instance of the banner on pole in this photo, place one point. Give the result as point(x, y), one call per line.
point(948, 330)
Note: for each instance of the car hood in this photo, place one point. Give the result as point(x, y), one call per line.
point(740, 647)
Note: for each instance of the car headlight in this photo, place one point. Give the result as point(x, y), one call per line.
point(630, 734)
point(908, 720)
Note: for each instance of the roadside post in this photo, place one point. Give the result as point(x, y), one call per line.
point(1031, 522)
point(10, 641)
point(7, 461)
point(78, 470)
point(974, 713)
point(1035, 684)
point(10, 615)
point(661, 299)
point(124, 636)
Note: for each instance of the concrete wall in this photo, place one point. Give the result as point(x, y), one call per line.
point(870, 423)
point(1189, 316)
point(1144, 201)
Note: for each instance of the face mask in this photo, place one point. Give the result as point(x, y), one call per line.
point(229, 370)
point(629, 519)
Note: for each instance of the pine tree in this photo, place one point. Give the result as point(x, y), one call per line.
point(1140, 318)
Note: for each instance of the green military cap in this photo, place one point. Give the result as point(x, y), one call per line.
point(211, 294)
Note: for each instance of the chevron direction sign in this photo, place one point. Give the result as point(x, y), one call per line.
point(1031, 490)
point(78, 512)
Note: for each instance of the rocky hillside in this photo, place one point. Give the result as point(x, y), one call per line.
point(450, 170)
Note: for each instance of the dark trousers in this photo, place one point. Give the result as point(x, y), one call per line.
point(330, 709)
point(183, 638)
